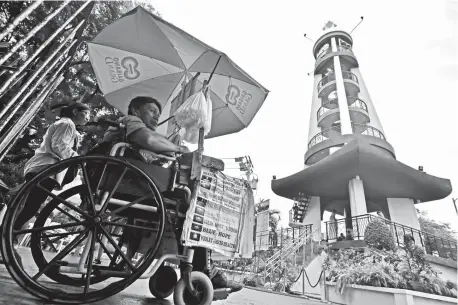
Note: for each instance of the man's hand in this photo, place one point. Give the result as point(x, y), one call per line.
point(184, 149)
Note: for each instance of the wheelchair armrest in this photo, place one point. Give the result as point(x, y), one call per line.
point(155, 155)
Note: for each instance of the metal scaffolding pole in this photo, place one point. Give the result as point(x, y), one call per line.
point(32, 89)
point(19, 18)
point(9, 137)
point(33, 32)
point(30, 80)
point(38, 51)
point(28, 116)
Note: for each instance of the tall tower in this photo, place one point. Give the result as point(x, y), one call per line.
point(350, 167)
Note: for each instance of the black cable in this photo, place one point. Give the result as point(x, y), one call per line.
point(308, 280)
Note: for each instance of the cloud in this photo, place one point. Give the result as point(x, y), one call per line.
point(449, 71)
point(446, 47)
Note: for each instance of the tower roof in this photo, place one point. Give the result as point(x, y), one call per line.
point(383, 177)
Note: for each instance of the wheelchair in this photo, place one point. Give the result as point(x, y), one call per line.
point(119, 220)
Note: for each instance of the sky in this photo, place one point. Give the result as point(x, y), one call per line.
point(408, 56)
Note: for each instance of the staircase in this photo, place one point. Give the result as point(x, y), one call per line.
point(299, 210)
point(275, 263)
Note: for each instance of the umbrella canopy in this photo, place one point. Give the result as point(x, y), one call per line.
point(383, 177)
point(141, 54)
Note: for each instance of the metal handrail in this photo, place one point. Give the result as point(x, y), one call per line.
point(344, 49)
point(324, 52)
point(322, 110)
point(332, 77)
point(328, 50)
point(359, 104)
point(349, 75)
point(369, 131)
point(325, 80)
point(318, 138)
point(432, 244)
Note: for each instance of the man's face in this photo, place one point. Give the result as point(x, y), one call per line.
point(149, 114)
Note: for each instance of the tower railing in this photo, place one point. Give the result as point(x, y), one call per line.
point(368, 130)
point(332, 77)
point(324, 52)
point(432, 244)
point(328, 50)
point(344, 49)
point(356, 104)
point(323, 109)
point(359, 104)
point(324, 135)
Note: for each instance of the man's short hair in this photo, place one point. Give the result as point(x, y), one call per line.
point(139, 101)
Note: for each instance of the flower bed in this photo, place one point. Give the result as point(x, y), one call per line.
point(382, 265)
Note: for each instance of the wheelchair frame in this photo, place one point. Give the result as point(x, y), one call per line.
point(187, 255)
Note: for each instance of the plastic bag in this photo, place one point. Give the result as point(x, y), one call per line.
point(193, 114)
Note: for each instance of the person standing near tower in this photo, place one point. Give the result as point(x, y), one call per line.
point(333, 224)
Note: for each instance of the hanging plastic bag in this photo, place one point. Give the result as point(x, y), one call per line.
point(193, 114)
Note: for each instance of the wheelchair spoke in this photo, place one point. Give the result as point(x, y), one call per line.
point(88, 185)
point(104, 248)
point(105, 204)
point(64, 202)
point(113, 243)
point(62, 254)
point(90, 261)
point(61, 235)
point(119, 210)
point(101, 176)
point(67, 213)
point(68, 225)
point(49, 242)
point(117, 224)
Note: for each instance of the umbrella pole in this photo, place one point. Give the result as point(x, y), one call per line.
point(200, 146)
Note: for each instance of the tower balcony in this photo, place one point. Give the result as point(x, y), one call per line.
point(329, 113)
point(367, 130)
point(326, 134)
point(359, 112)
point(324, 58)
point(328, 84)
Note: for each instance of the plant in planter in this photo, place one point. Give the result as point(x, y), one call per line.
point(379, 236)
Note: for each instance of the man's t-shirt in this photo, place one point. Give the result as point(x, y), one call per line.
point(115, 135)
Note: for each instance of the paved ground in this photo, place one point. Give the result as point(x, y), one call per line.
point(138, 293)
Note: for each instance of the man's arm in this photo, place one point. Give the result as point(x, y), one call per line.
point(151, 140)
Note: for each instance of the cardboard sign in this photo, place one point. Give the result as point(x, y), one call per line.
point(220, 216)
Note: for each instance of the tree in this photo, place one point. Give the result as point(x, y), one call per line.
point(433, 227)
point(80, 82)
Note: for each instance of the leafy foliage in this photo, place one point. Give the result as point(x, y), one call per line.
point(378, 235)
point(80, 82)
point(403, 269)
point(436, 228)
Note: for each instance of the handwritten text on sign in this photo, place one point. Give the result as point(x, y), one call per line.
point(214, 220)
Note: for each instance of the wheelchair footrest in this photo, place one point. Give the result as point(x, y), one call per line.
point(221, 294)
point(113, 273)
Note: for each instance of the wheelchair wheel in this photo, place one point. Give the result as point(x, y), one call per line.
point(86, 218)
point(201, 283)
point(162, 283)
point(37, 242)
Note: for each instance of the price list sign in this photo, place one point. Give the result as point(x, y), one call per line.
point(217, 215)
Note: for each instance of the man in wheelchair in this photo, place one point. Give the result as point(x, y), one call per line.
point(139, 130)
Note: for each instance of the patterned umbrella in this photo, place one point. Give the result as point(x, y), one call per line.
point(141, 54)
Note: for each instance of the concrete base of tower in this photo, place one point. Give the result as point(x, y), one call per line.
point(402, 211)
point(357, 198)
point(313, 217)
